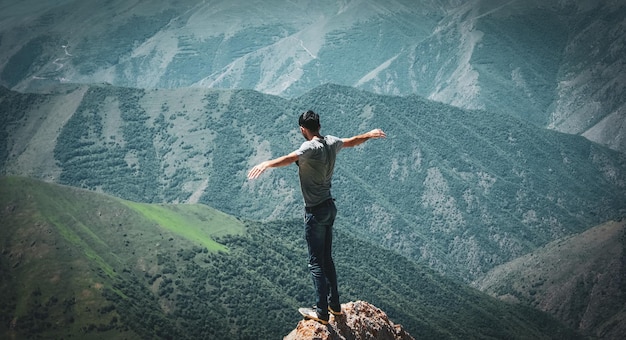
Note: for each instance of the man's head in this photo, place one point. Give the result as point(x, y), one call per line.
point(310, 120)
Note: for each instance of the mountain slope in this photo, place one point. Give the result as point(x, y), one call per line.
point(579, 280)
point(81, 264)
point(556, 64)
point(461, 190)
point(66, 254)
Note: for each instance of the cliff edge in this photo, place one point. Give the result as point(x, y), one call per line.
point(360, 320)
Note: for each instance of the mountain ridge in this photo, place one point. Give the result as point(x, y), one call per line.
point(554, 64)
point(454, 188)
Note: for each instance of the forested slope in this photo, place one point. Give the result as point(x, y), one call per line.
point(84, 264)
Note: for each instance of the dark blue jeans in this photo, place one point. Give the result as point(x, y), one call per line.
point(318, 226)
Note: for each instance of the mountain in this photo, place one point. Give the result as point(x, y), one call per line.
point(170, 102)
point(578, 279)
point(88, 265)
point(556, 64)
point(460, 190)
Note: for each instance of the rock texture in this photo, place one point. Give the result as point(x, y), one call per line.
point(360, 320)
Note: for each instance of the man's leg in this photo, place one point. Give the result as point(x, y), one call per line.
point(329, 264)
point(331, 280)
point(315, 234)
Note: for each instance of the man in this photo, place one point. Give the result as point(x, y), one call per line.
point(316, 162)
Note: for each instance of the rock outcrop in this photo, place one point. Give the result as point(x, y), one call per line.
point(360, 321)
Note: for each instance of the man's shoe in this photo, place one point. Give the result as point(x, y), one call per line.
point(311, 314)
point(333, 311)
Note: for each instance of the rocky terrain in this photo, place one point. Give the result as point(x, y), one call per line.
point(360, 321)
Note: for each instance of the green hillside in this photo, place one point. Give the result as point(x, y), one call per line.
point(85, 265)
point(68, 251)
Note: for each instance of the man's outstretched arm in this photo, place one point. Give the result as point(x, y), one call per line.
point(360, 139)
point(274, 163)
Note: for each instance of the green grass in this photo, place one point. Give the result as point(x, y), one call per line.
point(196, 223)
point(76, 239)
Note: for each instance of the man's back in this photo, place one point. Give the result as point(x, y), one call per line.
point(316, 164)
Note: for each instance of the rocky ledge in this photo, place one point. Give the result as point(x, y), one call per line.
point(360, 320)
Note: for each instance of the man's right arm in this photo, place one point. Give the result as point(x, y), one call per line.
point(258, 169)
point(360, 139)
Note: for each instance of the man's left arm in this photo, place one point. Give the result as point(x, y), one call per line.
point(362, 138)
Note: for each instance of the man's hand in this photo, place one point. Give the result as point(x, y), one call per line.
point(257, 170)
point(377, 133)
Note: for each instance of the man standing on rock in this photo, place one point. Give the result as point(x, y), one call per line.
point(316, 162)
